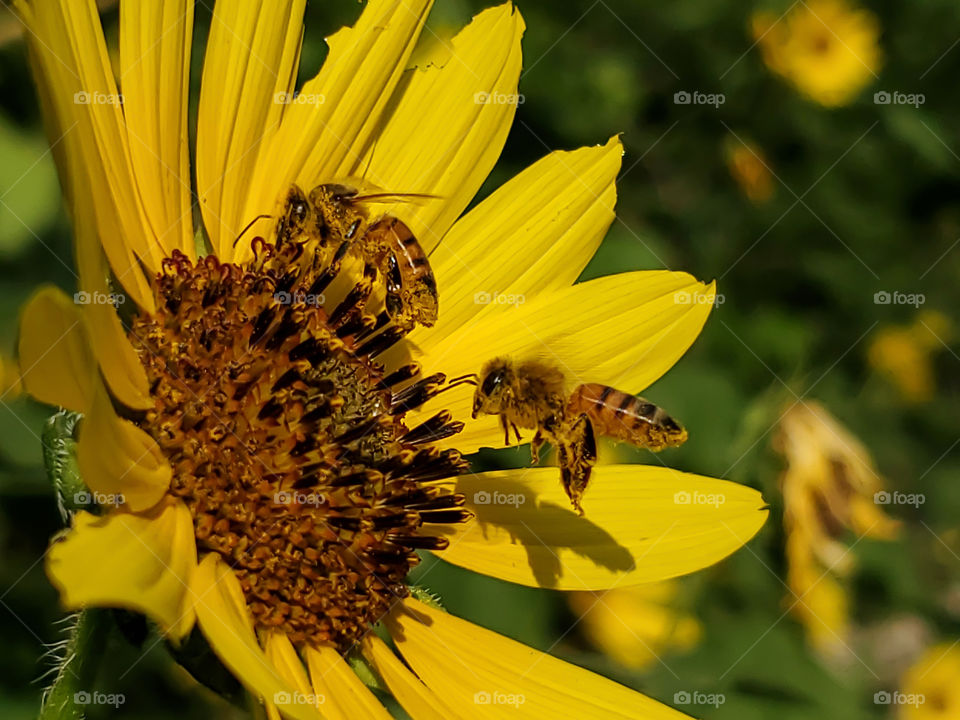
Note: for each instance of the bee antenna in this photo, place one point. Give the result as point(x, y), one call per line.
point(470, 379)
point(249, 225)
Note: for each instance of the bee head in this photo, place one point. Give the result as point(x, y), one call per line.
point(492, 388)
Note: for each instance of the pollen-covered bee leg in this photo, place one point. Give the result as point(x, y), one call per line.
point(577, 453)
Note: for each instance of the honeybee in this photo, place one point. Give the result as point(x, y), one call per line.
point(531, 394)
point(386, 245)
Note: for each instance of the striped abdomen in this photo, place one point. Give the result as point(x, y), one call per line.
point(626, 417)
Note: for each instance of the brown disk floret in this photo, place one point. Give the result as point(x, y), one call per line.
point(288, 443)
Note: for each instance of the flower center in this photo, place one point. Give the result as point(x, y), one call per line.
point(288, 442)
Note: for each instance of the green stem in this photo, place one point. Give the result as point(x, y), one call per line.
point(67, 698)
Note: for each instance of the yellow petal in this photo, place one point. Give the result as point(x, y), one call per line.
point(642, 524)
point(57, 365)
point(225, 621)
point(85, 124)
point(139, 562)
point(282, 655)
point(420, 702)
point(491, 676)
point(118, 360)
point(250, 63)
point(155, 41)
point(326, 125)
point(117, 458)
point(345, 695)
point(449, 125)
point(548, 220)
point(622, 330)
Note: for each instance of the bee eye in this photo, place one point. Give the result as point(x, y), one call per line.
point(300, 211)
point(491, 383)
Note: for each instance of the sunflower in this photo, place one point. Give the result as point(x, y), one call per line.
point(828, 49)
point(830, 487)
point(268, 471)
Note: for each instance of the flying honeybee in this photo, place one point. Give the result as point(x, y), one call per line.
point(385, 243)
point(532, 394)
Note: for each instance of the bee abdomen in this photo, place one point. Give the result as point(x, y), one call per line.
point(626, 417)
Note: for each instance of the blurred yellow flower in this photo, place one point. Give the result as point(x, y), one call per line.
point(635, 625)
point(9, 378)
point(829, 487)
point(931, 690)
point(826, 48)
point(904, 354)
point(749, 168)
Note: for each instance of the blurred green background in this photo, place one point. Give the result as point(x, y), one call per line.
point(863, 199)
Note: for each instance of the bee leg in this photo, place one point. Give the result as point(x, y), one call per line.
point(578, 455)
point(516, 432)
point(506, 430)
point(535, 446)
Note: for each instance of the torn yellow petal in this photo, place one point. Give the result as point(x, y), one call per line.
point(117, 458)
point(491, 676)
point(449, 125)
point(548, 220)
point(642, 524)
point(248, 71)
point(328, 122)
point(57, 365)
point(138, 562)
point(226, 623)
point(155, 41)
point(622, 330)
point(420, 702)
point(345, 695)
